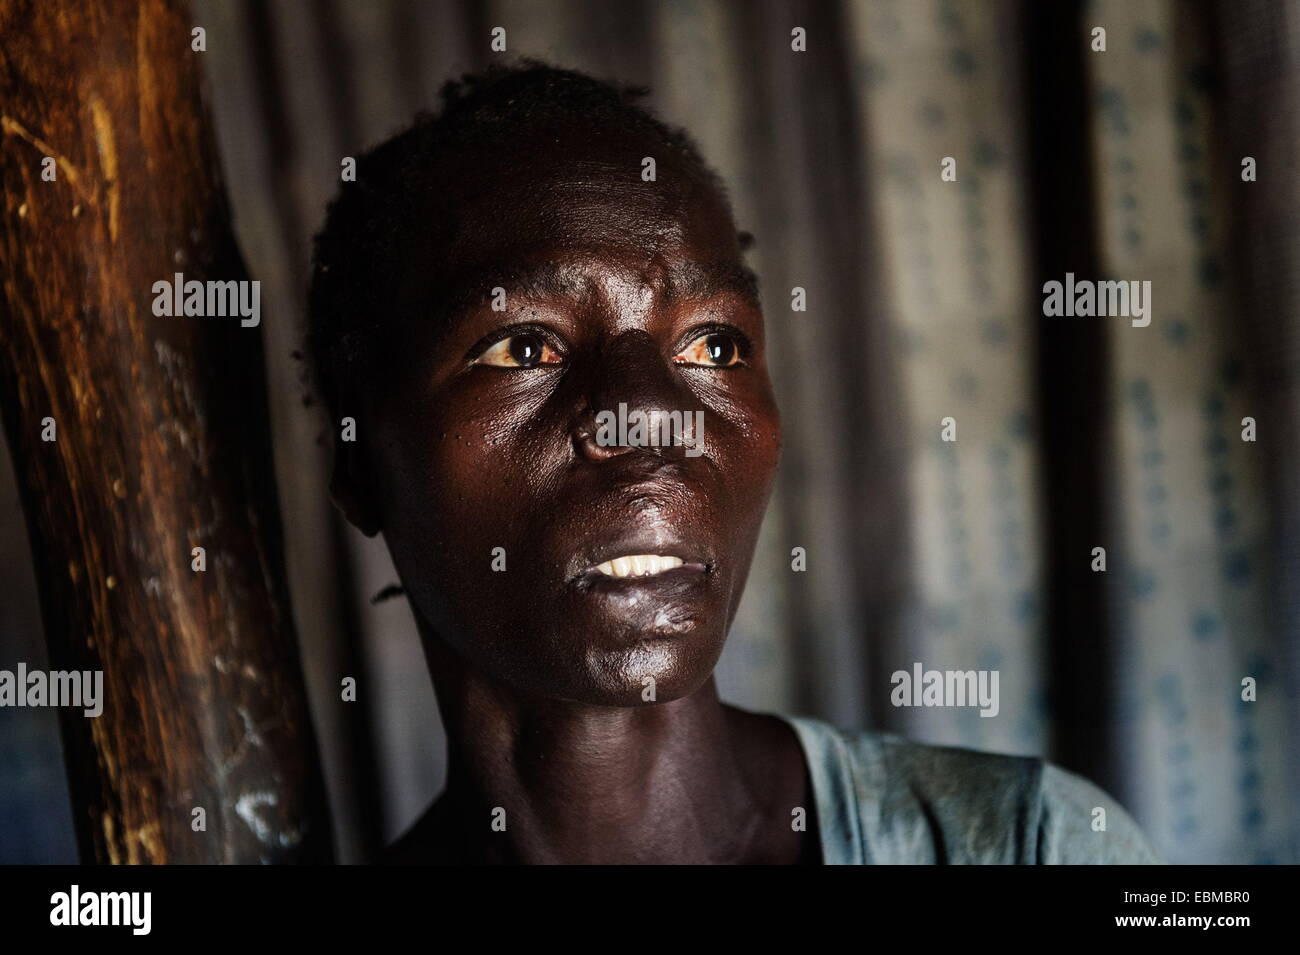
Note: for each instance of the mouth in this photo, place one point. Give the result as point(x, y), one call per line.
point(647, 585)
point(644, 565)
point(619, 568)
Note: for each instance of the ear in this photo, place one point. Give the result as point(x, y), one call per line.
point(351, 490)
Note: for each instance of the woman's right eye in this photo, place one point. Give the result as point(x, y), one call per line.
point(524, 350)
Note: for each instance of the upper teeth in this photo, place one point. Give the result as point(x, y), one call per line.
point(638, 565)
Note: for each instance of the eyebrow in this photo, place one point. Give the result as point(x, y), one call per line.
point(696, 280)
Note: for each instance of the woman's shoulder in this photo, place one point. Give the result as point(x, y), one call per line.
point(896, 800)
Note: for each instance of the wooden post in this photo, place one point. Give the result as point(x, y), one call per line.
point(162, 445)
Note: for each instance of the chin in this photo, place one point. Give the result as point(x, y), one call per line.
point(652, 669)
point(630, 645)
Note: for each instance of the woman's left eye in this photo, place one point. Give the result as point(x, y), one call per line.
point(524, 350)
point(712, 350)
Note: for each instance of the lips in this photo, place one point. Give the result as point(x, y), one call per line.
point(635, 569)
point(668, 602)
point(639, 565)
point(647, 531)
point(640, 555)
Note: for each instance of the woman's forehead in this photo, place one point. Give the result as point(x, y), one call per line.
point(590, 208)
point(629, 284)
point(557, 242)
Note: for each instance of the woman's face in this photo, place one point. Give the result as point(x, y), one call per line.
point(477, 446)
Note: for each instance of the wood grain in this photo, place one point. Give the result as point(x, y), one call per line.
point(163, 444)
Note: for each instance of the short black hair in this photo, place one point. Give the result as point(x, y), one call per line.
point(359, 252)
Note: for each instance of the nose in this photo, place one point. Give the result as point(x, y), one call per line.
point(631, 374)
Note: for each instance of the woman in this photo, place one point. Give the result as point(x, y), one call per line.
point(497, 283)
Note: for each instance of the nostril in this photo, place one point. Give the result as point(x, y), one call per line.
point(585, 443)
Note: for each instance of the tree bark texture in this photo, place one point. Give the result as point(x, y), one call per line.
point(162, 445)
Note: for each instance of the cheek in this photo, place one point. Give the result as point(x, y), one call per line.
point(747, 445)
point(461, 473)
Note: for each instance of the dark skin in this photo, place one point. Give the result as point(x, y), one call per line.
point(582, 704)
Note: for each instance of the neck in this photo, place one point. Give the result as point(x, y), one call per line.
point(543, 780)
